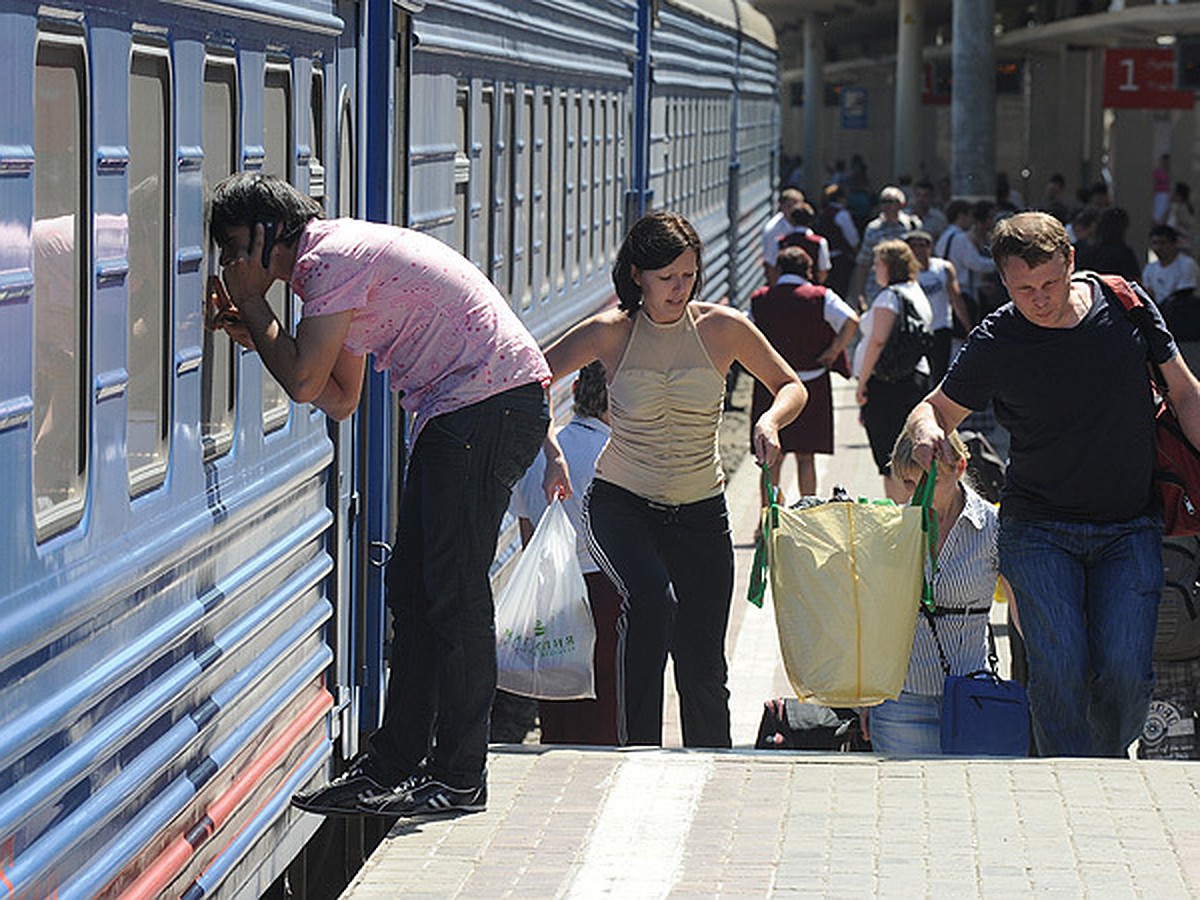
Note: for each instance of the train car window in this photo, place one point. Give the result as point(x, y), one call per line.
point(565, 168)
point(347, 168)
point(592, 182)
point(612, 199)
point(279, 144)
point(316, 136)
point(400, 102)
point(486, 147)
point(603, 203)
point(218, 365)
point(549, 132)
point(711, 173)
point(668, 198)
point(149, 281)
point(462, 167)
point(522, 210)
point(505, 172)
point(583, 183)
point(695, 155)
point(61, 251)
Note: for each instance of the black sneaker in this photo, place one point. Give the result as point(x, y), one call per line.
point(341, 796)
point(424, 795)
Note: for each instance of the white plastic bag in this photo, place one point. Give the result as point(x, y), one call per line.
point(545, 635)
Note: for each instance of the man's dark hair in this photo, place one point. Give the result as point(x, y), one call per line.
point(1111, 227)
point(1034, 237)
point(245, 198)
point(981, 210)
point(1164, 231)
point(654, 242)
point(794, 261)
point(956, 208)
point(802, 216)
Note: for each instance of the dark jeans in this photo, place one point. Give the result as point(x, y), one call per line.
point(673, 566)
point(443, 658)
point(888, 406)
point(939, 356)
point(1087, 596)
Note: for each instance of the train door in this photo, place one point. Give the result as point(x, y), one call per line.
point(333, 178)
point(382, 424)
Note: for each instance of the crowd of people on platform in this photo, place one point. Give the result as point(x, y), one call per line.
point(979, 316)
point(1089, 620)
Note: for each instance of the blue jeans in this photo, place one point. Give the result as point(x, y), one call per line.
point(910, 725)
point(443, 659)
point(1087, 596)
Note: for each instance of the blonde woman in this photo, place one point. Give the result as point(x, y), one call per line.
point(963, 586)
point(892, 362)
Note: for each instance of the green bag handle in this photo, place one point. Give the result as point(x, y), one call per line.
point(761, 564)
point(923, 497)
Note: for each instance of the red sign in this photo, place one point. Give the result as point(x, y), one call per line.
point(1142, 79)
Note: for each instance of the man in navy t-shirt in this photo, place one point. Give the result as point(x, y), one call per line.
point(1080, 535)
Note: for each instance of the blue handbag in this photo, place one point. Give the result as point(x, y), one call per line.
point(982, 713)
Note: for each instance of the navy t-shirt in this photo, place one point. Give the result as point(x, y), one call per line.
point(1078, 405)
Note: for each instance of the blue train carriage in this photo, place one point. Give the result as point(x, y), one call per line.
point(517, 153)
point(163, 548)
point(517, 146)
point(714, 132)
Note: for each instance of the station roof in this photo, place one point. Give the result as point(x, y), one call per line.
point(867, 28)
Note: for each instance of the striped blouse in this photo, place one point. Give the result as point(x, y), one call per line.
point(963, 589)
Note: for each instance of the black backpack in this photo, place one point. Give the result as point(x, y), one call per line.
point(788, 724)
point(1178, 634)
point(911, 339)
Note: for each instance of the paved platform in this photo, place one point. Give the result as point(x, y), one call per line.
point(564, 822)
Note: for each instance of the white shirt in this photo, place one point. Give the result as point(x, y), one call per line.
point(776, 228)
point(934, 282)
point(968, 261)
point(581, 440)
point(845, 221)
point(889, 299)
point(1163, 281)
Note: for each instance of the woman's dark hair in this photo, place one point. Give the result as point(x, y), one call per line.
point(245, 198)
point(1111, 227)
point(654, 242)
point(591, 391)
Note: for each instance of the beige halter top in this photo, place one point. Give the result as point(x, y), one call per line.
point(665, 402)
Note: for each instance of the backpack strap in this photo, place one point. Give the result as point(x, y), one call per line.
point(1115, 287)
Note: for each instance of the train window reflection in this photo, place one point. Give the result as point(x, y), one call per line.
point(347, 164)
point(277, 141)
point(149, 282)
point(484, 196)
point(462, 168)
point(60, 264)
point(218, 366)
point(316, 136)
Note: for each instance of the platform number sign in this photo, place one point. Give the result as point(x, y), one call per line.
point(1142, 79)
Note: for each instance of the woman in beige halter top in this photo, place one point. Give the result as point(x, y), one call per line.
point(655, 512)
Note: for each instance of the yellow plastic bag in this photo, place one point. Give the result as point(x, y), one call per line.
point(846, 581)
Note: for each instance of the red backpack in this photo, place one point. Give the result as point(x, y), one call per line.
point(1177, 462)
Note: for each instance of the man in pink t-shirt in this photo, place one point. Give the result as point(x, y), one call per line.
point(476, 382)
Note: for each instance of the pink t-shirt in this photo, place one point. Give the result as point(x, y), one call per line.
point(432, 320)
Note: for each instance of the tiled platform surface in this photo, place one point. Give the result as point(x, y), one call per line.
point(674, 823)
